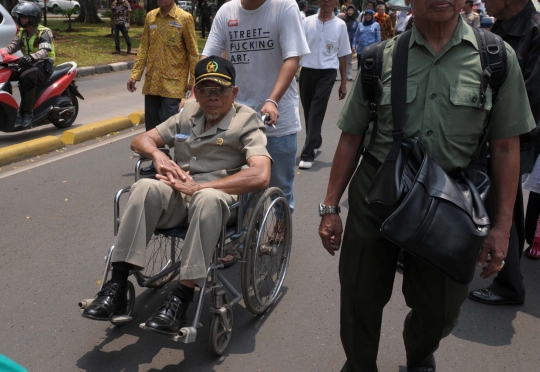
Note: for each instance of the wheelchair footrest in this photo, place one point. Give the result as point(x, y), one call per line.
point(186, 335)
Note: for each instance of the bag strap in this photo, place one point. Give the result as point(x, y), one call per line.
point(371, 75)
point(494, 63)
point(398, 95)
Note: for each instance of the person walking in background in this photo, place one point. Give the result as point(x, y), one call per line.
point(401, 22)
point(205, 14)
point(369, 5)
point(367, 33)
point(303, 7)
point(169, 53)
point(120, 20)
point(387, 29)
point(352, 26)
point(518, 23)
point(469, 16)
point(345, 6)
point(329, 44)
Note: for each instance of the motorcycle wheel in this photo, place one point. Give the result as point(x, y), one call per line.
point(65, 124)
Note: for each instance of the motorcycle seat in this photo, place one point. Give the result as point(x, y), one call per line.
point(58, 72)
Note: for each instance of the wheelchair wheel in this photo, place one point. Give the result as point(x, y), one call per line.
point(267, 251)
point(130, 304)
point(219, 337)
point(160, 256)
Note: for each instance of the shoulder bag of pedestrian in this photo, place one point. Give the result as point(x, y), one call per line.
point(438, 216)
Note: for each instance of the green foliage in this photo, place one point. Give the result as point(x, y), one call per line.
point(137, 17)
point(67, 13)
point(106, 14)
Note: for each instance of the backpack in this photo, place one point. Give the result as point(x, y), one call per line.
point(494, 63)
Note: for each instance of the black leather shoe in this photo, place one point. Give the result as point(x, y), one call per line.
point(112, 299)
point(170, 317)
point(489, 297)
point(427, 366)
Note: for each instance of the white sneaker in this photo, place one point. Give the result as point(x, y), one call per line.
point(305, 164)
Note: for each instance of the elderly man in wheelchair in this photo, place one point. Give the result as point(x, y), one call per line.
point(213, 139)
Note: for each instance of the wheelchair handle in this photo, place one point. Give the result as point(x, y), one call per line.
point(265, 119)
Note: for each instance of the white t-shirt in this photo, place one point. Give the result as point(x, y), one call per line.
point(257, 42)
point(401, 22)
point(327, 41)
point(302, 15)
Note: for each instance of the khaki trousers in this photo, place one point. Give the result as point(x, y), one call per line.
point(153, 205)
point(367, 268)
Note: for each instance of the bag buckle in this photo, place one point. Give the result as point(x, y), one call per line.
point(369, 63)
point(397, 135)
point(373, 109)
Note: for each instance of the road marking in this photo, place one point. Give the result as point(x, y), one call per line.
point(71, 153)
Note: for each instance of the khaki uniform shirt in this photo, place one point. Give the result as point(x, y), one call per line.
point(168, 51)
point(222, 150)
point(442, 101)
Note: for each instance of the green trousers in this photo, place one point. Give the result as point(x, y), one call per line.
point(367, 269)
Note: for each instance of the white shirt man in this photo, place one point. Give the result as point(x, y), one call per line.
point(264, 40)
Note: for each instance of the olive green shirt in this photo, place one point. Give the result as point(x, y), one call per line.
point(222, 150)
point(442, 101)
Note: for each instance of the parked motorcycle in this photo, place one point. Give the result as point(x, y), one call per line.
point(56, 98)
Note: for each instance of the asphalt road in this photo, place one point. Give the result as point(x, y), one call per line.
point(57, 225)
point(105, 96)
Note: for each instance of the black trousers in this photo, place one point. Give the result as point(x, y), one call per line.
point(121, 28)
point(509, 281)
point(30, 77)
point(367, 268)
point(205, 26)
point(315, 89)
point(158, 109)
point(531, 216)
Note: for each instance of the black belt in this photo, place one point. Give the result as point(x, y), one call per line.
point(371, 160)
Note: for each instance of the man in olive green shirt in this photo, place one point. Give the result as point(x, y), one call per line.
point(444, 72)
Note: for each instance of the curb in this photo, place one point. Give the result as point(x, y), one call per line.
point(28, 149)
point(91, 131)
point(43, 145)
point(104, 69)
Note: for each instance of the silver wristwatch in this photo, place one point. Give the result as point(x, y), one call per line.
point(327, 209)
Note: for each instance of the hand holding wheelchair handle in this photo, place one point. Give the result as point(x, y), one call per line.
point(265, 119)
point(270, 109)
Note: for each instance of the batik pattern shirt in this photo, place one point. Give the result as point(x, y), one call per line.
point(387, 28)
point(365, 36)
point(169, 52)
point(120, 10)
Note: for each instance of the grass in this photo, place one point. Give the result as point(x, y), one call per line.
point(93, 45)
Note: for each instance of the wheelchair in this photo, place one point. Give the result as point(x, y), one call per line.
point(261, 237)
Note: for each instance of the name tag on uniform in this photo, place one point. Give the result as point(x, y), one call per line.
point(152, 27)
point(174, 24)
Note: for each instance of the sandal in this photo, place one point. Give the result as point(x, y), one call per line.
point(229, 262)
point(533, 253)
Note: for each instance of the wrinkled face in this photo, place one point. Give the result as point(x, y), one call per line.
point(215, 99)
point(495, 7)
point(350, 12)
point(380, 10)
point(367, 17)
point(436, 10)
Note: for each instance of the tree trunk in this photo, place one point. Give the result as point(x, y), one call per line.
point(88, 12)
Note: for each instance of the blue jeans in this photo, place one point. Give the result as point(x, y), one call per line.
point(121, 28)
point(283, 152)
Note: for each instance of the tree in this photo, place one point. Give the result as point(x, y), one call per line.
point(88, 12)
point(66, 13)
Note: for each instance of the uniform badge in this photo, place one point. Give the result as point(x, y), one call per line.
point(212, 66)
point(219, 141)
point(329, 47)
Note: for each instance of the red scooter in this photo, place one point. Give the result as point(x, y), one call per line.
point(56, 98)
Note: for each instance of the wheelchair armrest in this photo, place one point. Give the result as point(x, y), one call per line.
point(142, 160)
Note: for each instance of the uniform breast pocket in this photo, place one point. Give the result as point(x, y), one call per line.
point(330, 45)
point(385, 107)
point(465, 117)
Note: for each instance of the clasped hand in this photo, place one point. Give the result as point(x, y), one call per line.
point(173, 176)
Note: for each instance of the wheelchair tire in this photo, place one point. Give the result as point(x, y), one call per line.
point(267, 251)
point(158, 258)
point(219, 337)
point(130, 305)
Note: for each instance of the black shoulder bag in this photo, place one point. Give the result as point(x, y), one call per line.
point(438, 217)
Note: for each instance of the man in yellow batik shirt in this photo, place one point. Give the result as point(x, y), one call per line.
point(168, 51)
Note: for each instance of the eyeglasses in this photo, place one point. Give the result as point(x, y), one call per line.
point(207, 91)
